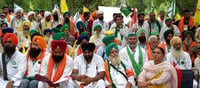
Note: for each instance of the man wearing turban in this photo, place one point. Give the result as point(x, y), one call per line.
point(81, 28)
point(114, 78)
point(34, 58)
point(69, 38)
point(142, 38)
point(98, 36)
point(81, 40)
point(33, 23)
point(56, 67)
point(100, 21)
point(169, 26)
point(101, 51)
point(46, 22)
point(68, 21)
point(12, 62)
point(88, 69)
point(168, 34)
point(17, 21)
point(133, 55)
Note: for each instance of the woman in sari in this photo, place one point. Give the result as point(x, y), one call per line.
point(158, 73)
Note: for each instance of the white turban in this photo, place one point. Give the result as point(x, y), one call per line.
point(99, 12)
point(30, 13)
point(18, 9)
point(46, 14)
point(54, 10)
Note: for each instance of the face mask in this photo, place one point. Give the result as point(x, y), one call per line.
point(57, 59)
point(142, 39)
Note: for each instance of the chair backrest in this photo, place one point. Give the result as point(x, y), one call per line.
point(187, 81)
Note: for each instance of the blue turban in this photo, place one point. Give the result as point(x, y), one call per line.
point(46, 31)
point(7, 30)
point(82, 37)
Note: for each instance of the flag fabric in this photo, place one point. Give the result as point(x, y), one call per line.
point(178, 17)
point(197, 14)
point(172, 11)
point(56, 6)
point(76, 18)
point(85, 9)
point(16, 6)
point(30, 5)
point(63, 6)
point(153, 9)
point(125, 8)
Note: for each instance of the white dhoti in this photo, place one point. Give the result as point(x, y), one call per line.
point(75, 84)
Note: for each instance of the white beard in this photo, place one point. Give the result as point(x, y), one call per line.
point(115, 60)
point(177, 53)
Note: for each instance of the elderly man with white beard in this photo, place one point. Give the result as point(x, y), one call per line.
point(179, 58)
point(117, 75)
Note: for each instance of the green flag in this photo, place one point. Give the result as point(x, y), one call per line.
point(172, 10)
point(125, 8)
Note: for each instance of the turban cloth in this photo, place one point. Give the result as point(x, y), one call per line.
point(110, 47)
point(46, 14)
point(27, 23)
point(107, 39)
point(36, 10)
point(188, 32)
point(32, 31)
point(46, 31)
point(7, 30)
point(66, 13)
point(13, 38)
point(40, 41)
point(131, 34)
point(58, 35)
point(18, 9)
point(56, 30)
point(35, 34)
point(58, 44)
point(82, 37)
point(168, 19)
point(84, 33)
point(31, 13)
point(94, 14)
point(155, 33)
point(167, 32)
point(64, 27)
point(99, 12)
point(97, 26)
point(80, 23)
point(175, 40)
point(88, 46)
point(141, 30)
point(109, 32)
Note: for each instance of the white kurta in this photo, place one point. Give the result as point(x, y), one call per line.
point(118, 79)
point(145, 25)
point(126, 60)
point(95, 66)
point(98, 40)
point(185, 60)
point(15, 69)
point(197, 63)
point(103, 24)
point(165, 28)
point(67, 71)
point(34, 69)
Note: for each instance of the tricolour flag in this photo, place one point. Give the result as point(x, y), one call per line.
point(171, 13)
point(125, 8)
point(197, 14)
point(63, 6)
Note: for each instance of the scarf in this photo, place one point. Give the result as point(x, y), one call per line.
point(19, 22)
point(45, 25)
point(157, 76)
point(71, 25)
point(181, 24)
point(158, 24)
point(40, 57)
point(137, 67)
point(59, 70)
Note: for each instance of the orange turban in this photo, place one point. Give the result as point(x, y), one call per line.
point(13, 38)
point(94, 14)
point(40, 41)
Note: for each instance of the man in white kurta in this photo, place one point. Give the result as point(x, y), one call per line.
point(61, 69)
point(133, 53)
point(88, 69)
point(97, 37)
point(34, 57)
point(14, 60)
point(114, 78)
point(30, 18)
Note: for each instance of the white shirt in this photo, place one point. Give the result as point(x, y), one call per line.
point(145, 25)
point(67, 71)
point(118, 79)
point(165, 28)
point(103, 24)
point(98, 40)
point(95, 66)
point(126, 60)
point(185, 61)
point(15, 68)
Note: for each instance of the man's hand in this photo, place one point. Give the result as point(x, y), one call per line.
point(81, 78)
point(87, 81)
point(9, 85)
point(128, 85)
point(142, 84)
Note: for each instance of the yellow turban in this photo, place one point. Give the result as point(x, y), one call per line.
point(175, 40)
point(27, 23)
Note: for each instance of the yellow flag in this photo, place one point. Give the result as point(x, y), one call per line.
point(178, 17)
point(197, 14)
point(155, 12)
point(31, 5)
point(73, 49)
point(63, 6)
point(23, 48)
point(85, 9)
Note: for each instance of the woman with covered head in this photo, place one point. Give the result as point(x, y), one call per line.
point(158, 73)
